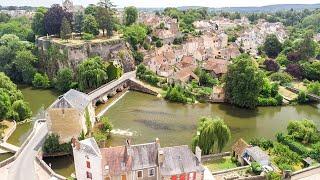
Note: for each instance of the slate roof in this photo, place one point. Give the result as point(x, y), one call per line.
point(258, 155)
point(90, 146)
point(143, 155)
point(116, 159)
point(178, 160)
point(72, 99)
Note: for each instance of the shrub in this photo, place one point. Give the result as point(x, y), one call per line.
point(146, 75)
point(178, 40)
point(21, 110)
point(302, 97)
point(311, 71)
point(261, 142)
point(271, 65)
point(41, 81)
point(282, 60)
point(159, 43)
point(52, 145)
point(283, 78)
point(267, 101)
point(273, 176)
point(315, 152)
point(295, 70)
point(138, 57)
point(294, 146)
point(314, 88)
point(176, 94)
point(256, 168)
point(87, 36)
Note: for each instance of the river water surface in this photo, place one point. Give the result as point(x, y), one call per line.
point(149, 117)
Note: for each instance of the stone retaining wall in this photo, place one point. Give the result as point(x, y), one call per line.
point(47, 168)
point(137, 87)
point(10, 132)
point(214, 156)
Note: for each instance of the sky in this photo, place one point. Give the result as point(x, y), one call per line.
point(162, 3)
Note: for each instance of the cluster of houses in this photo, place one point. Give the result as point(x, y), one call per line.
point(219, 24)
point(255, 36)
point(139, 161)
point(210, 51)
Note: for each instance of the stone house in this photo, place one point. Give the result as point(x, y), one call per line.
point(238, 149)
point(179, 162)
point(74, 108)
point(135, 162)
point(216, 67)
point(183, 76)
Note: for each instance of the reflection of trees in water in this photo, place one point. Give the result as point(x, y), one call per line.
point(154, 124)
point(238, 112)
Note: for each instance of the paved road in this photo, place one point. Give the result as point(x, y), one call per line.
point(23, 167)
point(313, 174)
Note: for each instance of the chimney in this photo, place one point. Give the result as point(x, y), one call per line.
point(75, 143)
point(198, 153)
point(160, 157)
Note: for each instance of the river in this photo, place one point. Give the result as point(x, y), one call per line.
point(149, 117)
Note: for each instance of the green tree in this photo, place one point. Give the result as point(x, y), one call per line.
point(5, 104)
point(130, 15)
point(4, 17)
point(113, 72)
point(41, 81)
point(64, 79)
point(90, 25)
point(65, 29)
point(272, 46)
point(311, 71)
point(22, 109)
point(23, 66)
point(91, 73)
point(38, 21)
point(78, 22)
point(243, 82)
point(135, 34)
point(211, 131)
point(305, 48)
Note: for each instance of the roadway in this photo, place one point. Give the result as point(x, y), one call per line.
point(23, 167)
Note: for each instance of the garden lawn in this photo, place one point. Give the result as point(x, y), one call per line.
point(220, 164)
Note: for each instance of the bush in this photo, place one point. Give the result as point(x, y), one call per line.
point(52, 145)
point(273, 176)
point(283, 78)
point(87, 36)
point(148, 76)
point(294, 146)
point(271, 65)
point(261, 142)
point(64, 80)
point(21, 110)
point(295, 70)
point(314, 88)
point(267, 101)
point(159, 43)
point(311, 71)
point(178, 40)
point(282, 60)
point(302, 97)
point(256, 168)
point(41, 81)
point(138, 57)
point(177, 94)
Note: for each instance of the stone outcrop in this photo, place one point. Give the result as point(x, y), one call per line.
point(55, 54)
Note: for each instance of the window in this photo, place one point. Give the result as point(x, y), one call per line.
point(192, 176)
point(89, 175)
point(151, 172)
point(88, 164)
point(140, 174)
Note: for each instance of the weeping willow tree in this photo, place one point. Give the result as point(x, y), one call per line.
point(92, 73)
point(211, 131)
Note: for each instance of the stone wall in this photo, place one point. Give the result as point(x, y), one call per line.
point(55, 55)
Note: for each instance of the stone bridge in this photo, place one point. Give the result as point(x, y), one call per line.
point(126, 81)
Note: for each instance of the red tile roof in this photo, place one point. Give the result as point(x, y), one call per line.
point(218, 66)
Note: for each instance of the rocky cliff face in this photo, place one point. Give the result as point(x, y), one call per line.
point(55, 55)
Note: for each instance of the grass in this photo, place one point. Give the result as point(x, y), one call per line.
point(220, 164)
point(20, 134)
point(5, 156)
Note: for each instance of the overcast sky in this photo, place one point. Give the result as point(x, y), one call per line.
point(162, 3)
